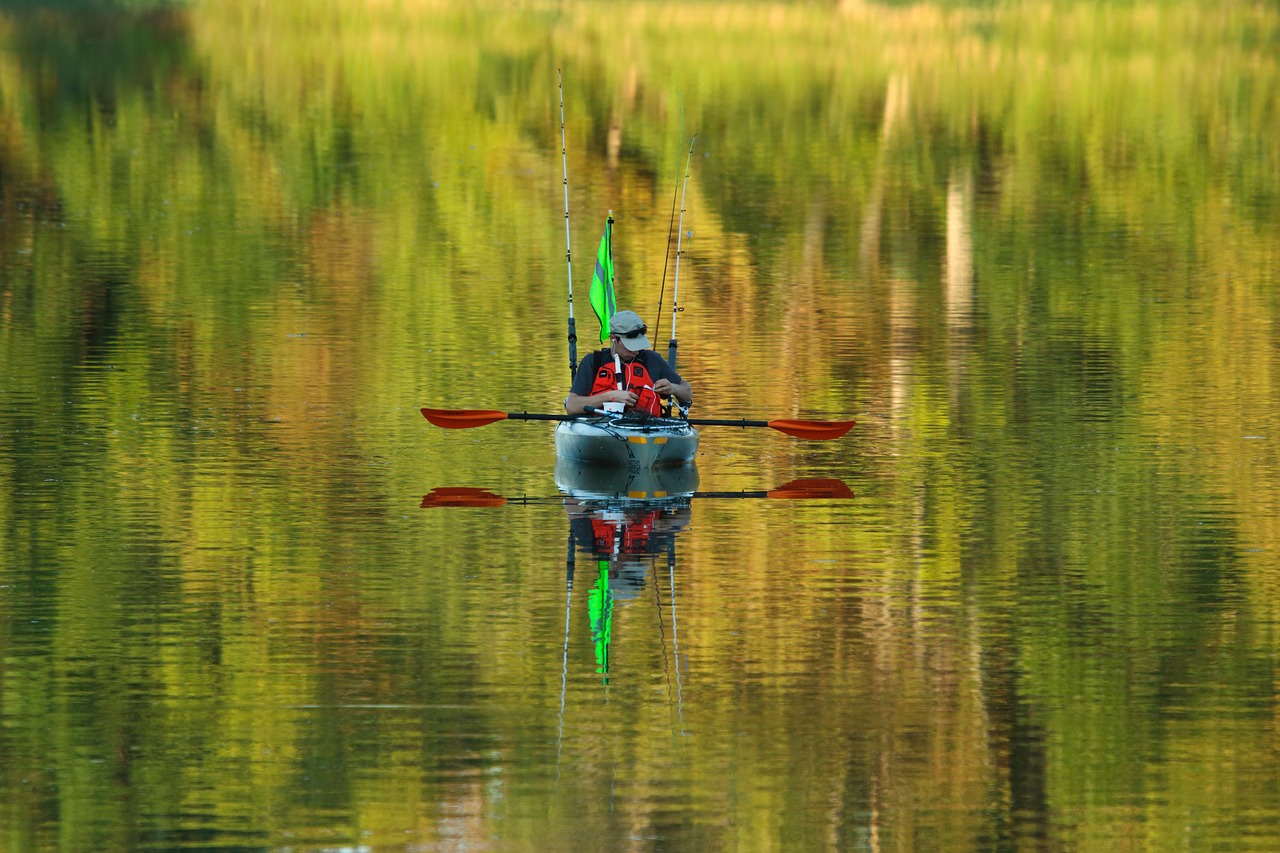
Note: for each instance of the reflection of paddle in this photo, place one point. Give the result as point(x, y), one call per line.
point(828, 488)
point(467, 418)
point(461, 496)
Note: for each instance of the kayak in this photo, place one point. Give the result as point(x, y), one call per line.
point(636, 444)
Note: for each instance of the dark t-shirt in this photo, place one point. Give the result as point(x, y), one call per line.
point(654, 363)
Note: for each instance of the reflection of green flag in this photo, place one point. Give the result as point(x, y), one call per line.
point(602, 299)
point(600, 611)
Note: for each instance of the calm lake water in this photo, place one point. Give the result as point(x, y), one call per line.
point(1034, 249)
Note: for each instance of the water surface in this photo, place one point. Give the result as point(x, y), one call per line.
point(1031, 248)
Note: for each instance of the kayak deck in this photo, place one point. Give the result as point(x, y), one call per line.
point(640, 443)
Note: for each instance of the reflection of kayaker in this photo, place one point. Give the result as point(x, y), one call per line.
point(625, 521)
point(625, 543)
point(612, 534)
point(608, 536)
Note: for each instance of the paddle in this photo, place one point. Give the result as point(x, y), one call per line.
point(468, 418)
point(826, 488)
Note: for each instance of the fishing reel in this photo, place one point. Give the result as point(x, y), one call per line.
point(673, 408)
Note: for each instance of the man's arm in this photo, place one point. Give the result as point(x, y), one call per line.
point(682, 390)
point(576, 404)
point(670, 384)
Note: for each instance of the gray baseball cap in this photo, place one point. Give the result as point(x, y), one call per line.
point(631, 328)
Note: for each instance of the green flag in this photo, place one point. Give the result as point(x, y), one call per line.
point(602, 298)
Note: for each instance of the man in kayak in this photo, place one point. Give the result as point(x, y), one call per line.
point(628, 376)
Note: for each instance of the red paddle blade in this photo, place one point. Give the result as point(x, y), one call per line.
point(463, 418)
point(815, 430)
point(461, 496)
point(823, 488)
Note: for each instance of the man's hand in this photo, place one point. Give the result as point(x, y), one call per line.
point(666, 388)
point(626, 398)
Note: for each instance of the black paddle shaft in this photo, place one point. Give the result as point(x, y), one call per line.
point(726, 422)
point(535, 416)
point(596, 413)
point(738, 422)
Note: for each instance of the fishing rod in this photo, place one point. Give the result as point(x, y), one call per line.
point(675, 288)
point(568, 253)
point(666, 255)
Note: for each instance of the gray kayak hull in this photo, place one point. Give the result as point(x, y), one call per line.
point(651, 443)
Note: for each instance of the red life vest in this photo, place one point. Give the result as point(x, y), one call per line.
point(636, 379)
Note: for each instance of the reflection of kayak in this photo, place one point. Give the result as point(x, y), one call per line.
point(625, 519)
point(609, 484)
point(646, 443)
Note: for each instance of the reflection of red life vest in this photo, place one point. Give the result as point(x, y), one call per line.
point(637, 380)
point(631, 536)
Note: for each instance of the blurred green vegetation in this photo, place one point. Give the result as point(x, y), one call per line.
point(240, 242)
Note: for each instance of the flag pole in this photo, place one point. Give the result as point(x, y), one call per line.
point(568, 254)
point(675, 287)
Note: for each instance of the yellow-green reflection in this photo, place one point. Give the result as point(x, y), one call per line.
point(1032, 246)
